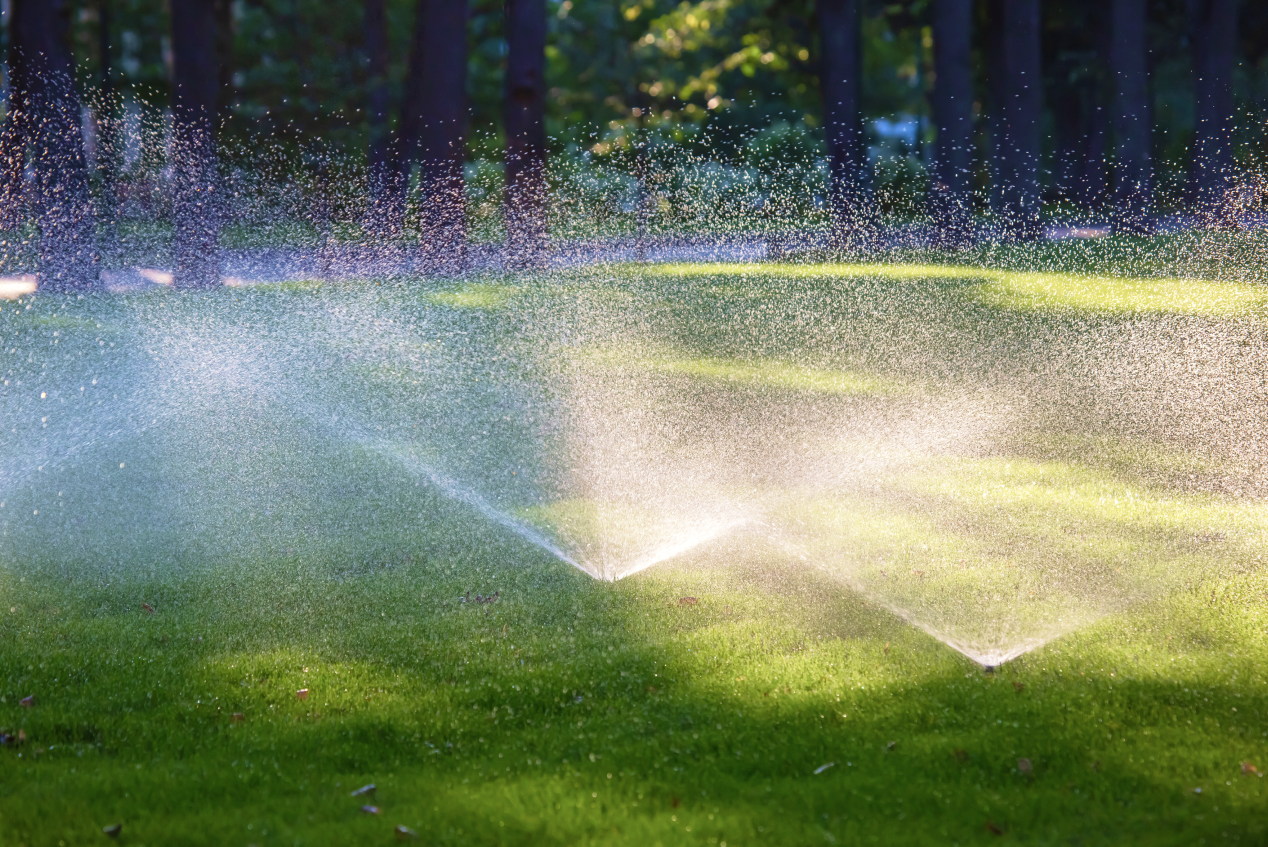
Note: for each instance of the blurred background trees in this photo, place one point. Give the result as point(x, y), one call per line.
point(1017, 110)
point(44, 129)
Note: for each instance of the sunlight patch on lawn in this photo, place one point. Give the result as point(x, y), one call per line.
point(861, 270)
point(287, 285)
point(1132, 460)
point(998, 556)
point(760, 373)
point(1028, 291)
point(474, 296)
point(1054, 498)
point(1120, 295)
point(771, 374)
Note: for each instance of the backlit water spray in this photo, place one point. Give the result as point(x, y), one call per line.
point(997, 457)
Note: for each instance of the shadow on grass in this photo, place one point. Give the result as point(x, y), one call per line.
point(571, 711)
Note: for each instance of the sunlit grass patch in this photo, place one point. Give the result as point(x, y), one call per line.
point(999, 555)
point(757, 373)
point(827, 270)
point(16, 287)
point(1021, 290)
point(474, 296)
point(286, 285)
point(1120, 295)
point(1125, 458)
point(1049, 493)
point(778, 375)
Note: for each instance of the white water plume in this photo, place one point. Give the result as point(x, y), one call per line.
point(996, 484)
point(235, 413)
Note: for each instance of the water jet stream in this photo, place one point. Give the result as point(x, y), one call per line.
point(988, 656)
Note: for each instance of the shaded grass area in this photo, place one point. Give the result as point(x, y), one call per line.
point(576, 712)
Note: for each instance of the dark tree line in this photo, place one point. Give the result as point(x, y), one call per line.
point(43, 127)
point(195, 84)
point(1125, 112)
point(1214, 33)
point(1015, 100)
point(428, 128)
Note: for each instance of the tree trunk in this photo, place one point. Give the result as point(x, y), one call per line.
point(1018, 103)
point(840, 75)
point(525, 129)
point(1093, 178)
point(63, 206)
point(224, 59)
point(195, 82)
point(1133, 156)
point(383, 217)
point(951, 189)
point(14, 139)
point(107, 133)
point(1070, 134)
point(413, 104)
point(436, 115)
point(1100, 93)
point(1214, 38)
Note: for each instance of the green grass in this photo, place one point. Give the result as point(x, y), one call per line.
point(1032, 291)
point(997, 553)
point(1117, 295)
point(776, 375)
point(755, 373)
point(279, 556)
point(474, 296)
point(502, 723)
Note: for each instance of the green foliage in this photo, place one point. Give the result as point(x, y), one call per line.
point(696, 79)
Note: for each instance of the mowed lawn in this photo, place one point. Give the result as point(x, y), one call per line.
point(571, 711)
point(735, 695)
